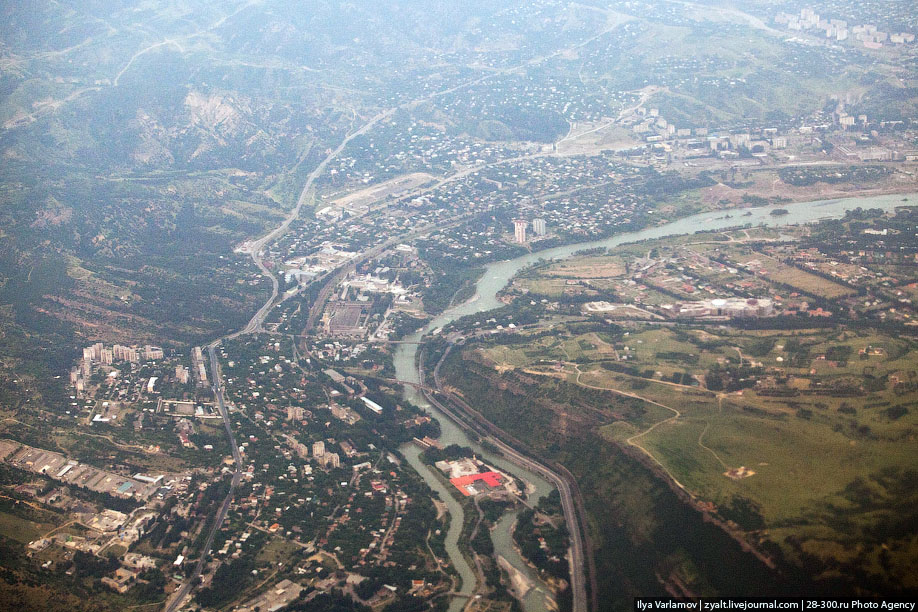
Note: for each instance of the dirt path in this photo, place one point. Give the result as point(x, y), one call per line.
point(631, 441)
point(676, 414)
point(35, 507)
point(58, 528)
point(118, 444)
point(720, 401)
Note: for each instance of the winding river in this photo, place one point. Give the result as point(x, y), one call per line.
point(497, 275)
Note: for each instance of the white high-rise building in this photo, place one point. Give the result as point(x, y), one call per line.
point(538, 226)
point(318, 449)
point(519, 230)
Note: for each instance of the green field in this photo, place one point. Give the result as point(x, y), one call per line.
point(824, 468)
point(22, 523)
point(20, 529)
point(803, 281)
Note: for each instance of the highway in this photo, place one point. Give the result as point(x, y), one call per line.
point(179, 596)
point(256, 322)
point(254, 325)
point(258, 246)
point(221, 402)
point(581, 558)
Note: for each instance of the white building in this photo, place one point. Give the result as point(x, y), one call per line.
point(729, 308)
point(538, 226)
point(519, 230)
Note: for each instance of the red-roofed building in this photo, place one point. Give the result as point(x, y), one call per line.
point(492, 479)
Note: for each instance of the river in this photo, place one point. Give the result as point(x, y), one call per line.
point(496, 276)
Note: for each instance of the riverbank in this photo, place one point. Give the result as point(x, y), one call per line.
point(454, 431)
point(554, 586)
point(498, 274)
point(465, 575)
point(512, 451)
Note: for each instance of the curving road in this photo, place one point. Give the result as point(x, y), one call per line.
point(572, 506)
point(258, 246)
point(255, 325)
